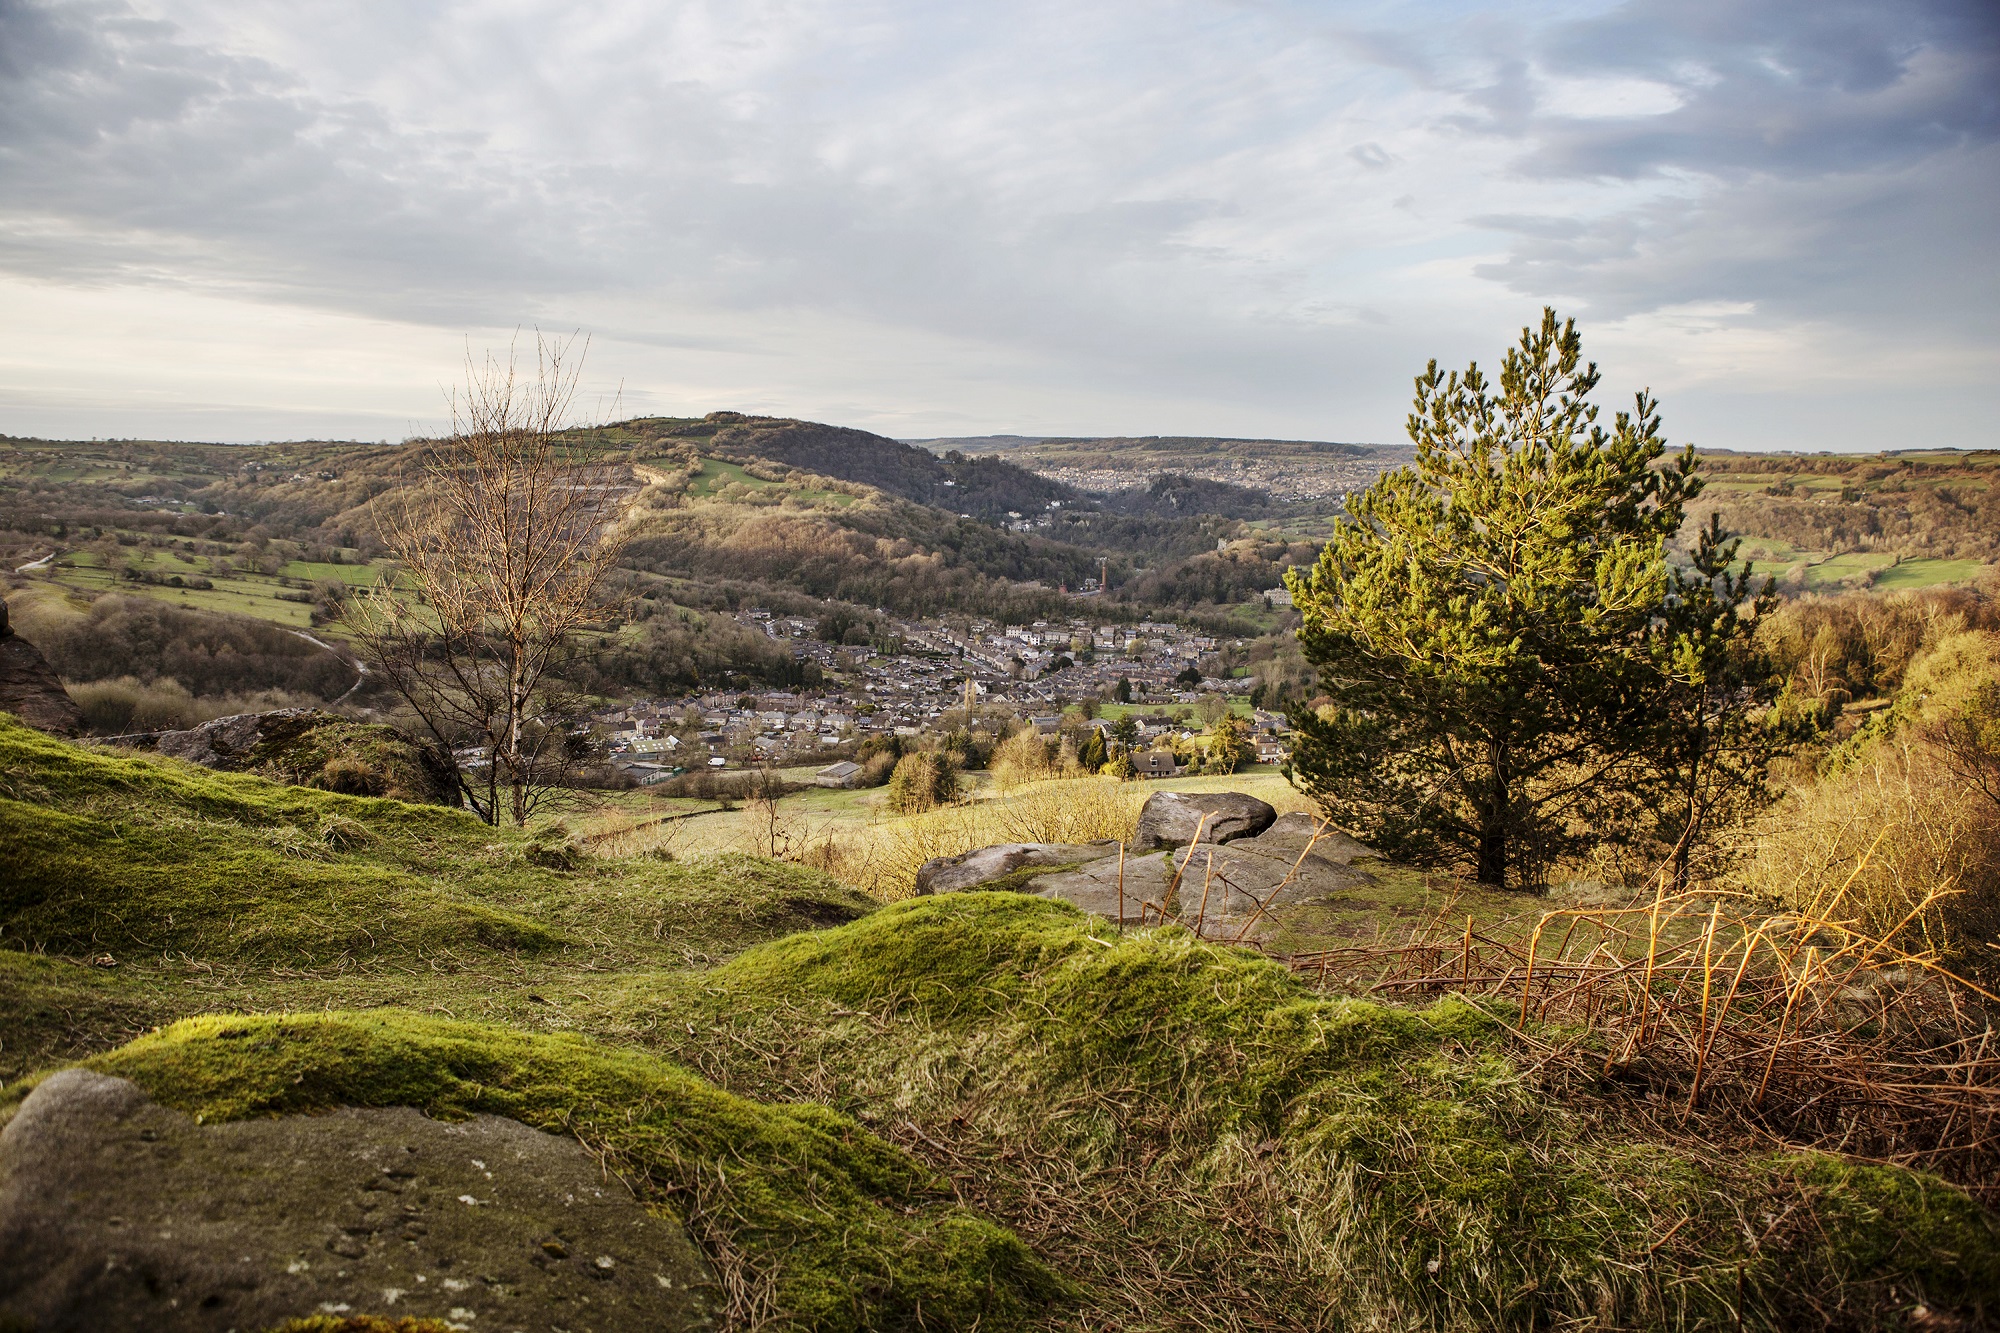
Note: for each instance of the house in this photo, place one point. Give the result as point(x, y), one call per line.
point(1155, 764)
point(1047, 726)
point(1271, 750)
point(843, 774)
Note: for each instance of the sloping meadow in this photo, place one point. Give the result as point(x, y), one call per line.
point(973, 1111)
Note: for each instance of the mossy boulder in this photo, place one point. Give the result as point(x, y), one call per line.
point(119, 1214)
point(307, 747)
point(802, 1212)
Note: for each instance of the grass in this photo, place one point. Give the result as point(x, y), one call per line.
point(972, 1111)
point(1210, 1145)
point(1912, 574)
point(237, 593)
point(853, 834)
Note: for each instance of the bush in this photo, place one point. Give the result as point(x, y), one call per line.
point(922, 782)
point(1889, 828)
point(127, 705)
point(1024, 757)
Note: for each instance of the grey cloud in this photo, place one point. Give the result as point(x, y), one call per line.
point(1786, 89)
point(1094, 216)
point(1836, 161)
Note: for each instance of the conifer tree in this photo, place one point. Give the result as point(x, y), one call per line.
point(1481, 618)
point(1713, 732)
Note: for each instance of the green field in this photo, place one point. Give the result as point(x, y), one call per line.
point(1928, 573)
point(719, 477)
point(1822, 571)
point(240, 592)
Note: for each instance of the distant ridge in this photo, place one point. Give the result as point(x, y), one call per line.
point(1164, 444)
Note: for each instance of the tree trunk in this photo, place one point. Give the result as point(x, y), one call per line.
point(1492, 867)
point(1493, 855)
point(1677, 861)
point(517, 707)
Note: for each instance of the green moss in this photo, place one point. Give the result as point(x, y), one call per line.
point(354, 758)
point(1023, 880)
point(1418, 1175)
point(132, 854)
point(852, 1233)
point(53, 1010)
point(80, 884)
point(360, 1323)
point(1883, 1221)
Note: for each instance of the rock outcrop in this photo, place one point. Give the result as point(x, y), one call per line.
point(1232, 886)
point(309, 747)
point(30, 689)
point(119, 1214)
point(1241, 887)
point(1007, 865)
point(1174, 818)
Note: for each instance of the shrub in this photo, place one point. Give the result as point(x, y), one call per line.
point(1926, 838)
point(922, 782)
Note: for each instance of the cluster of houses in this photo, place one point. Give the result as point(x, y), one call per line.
point(965, 667)
point(658, 739)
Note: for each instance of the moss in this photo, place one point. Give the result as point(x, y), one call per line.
point(1023, 880)
point(48, 771)
point(852, 1233)
point(83, 883)
point(1418, 1176)
point(54, 1010)
point(141, 854)
point(360, 1323)
point(1905, 1225)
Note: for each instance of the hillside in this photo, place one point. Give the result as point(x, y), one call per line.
point(983, 488)
point(978, 1110)
point(1823, 522)
point(1309, 474)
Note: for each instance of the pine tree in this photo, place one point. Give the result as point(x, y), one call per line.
point(1714, 733)
point(1480, 619)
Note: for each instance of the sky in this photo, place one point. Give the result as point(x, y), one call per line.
point(285, 219)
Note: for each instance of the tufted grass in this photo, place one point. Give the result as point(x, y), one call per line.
point(1209, 1144)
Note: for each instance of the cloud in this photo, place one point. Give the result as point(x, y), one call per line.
point(1211, 215)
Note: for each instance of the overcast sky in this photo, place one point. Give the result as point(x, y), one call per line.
point(288, 218)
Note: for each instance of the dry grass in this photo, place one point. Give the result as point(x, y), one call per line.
point(878, 852)
point(884, 858)
point(1813, 1027)
point(1928, 846)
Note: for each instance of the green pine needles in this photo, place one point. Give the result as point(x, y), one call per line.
point(1513, 661)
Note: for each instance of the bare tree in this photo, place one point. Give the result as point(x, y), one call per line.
point(505, 539)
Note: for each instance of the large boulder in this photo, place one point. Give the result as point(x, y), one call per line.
point(1092, 875)
point(1174, 818)
point(118, 1214)
point(308, 747)
point(30, 689)
point(1230, 888)
point(1239, 890)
